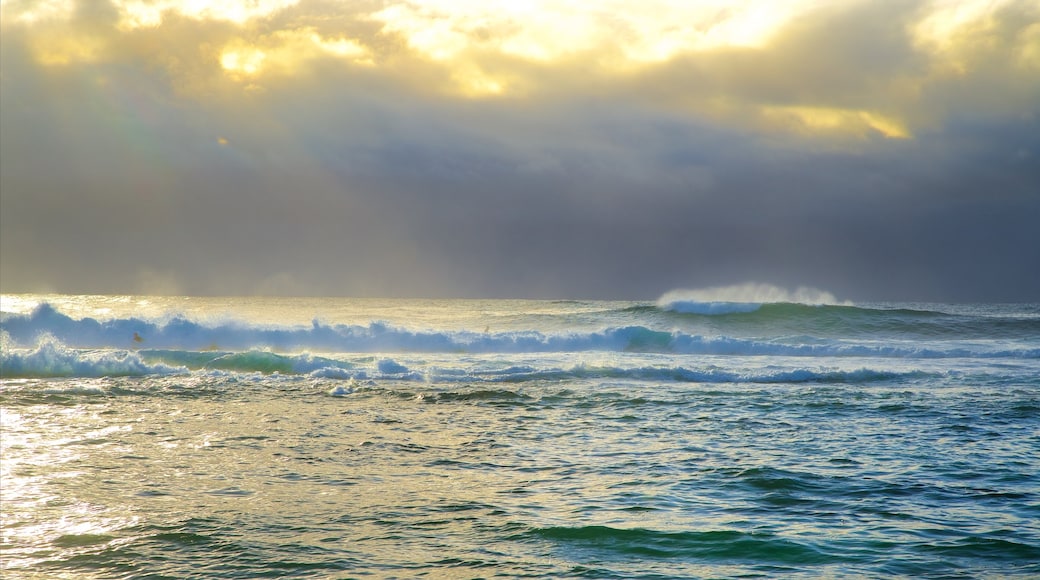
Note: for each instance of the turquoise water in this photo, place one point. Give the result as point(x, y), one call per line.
point(330, 438)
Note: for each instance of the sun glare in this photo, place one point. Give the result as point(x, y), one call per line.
point(615, 35)
point(244, 60)
point(543, 31)
point(287, 51)
point(473, 82)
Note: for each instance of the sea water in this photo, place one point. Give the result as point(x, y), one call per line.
point(176, 437)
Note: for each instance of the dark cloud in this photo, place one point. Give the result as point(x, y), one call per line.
point(143, 166)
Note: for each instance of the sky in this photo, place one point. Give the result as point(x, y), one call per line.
point(877, 150)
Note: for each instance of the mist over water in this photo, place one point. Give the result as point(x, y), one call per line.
point(739, 431)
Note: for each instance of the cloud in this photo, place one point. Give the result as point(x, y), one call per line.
point(878, 149)
point(151, 13)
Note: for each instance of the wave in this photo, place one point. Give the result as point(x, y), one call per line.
point(711, 308)
point(711, 375)
point(749, 293)
point(771, 300)
point(51, 359)
point(252, 346)
point(848, 320)
point(793, 310)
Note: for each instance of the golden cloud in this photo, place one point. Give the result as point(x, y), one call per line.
point(150, 13)
point(34, 11)
point(783, 64)
point(286, 51)
point(856, 123)
point(544, 31)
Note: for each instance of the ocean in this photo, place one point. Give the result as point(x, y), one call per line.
point(181, 437)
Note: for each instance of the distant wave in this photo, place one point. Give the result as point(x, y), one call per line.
point(793, 310)
point(848, 321)
point(740, 299)
point(750, 293)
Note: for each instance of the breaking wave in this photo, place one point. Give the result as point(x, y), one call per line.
point(247, 345)
point(51, 359)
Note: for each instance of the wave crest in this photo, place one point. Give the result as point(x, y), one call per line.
point(741, 298)
point(51, 358)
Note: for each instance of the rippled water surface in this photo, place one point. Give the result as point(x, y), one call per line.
point(600, 462)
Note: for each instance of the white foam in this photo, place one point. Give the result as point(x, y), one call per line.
point(51, 358)
point(247, 346)
point(344, 389)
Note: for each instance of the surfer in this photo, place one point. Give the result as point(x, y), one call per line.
point(137, 338)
